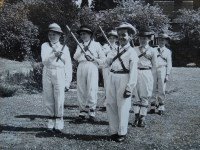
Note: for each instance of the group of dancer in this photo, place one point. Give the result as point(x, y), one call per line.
point(128, 71)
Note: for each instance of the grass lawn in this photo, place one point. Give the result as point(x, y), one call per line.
point(23, 122)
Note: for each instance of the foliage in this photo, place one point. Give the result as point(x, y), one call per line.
point(190, 21)
point(34, 82)
point(98, 5)
point(142, 16)
point(45, 12)
point(7, 90)
point(18, 34)
point(30, 82)
point(88, 17)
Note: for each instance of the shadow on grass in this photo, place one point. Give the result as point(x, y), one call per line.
point(98, 108)
point(33, 117)
point(43, 133)
point(72, 119)
point(20, 129)
point(70, 106)
point(68, 136)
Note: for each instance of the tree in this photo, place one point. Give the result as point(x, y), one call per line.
point(18, 34)
point(84, 3)
point(142, 16)
point(98, 5)
point(188, 47)
point(178, 4)
point(44, 12)
point(196, 4)
point(190, 20)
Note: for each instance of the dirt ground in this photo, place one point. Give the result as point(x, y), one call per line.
point(23, 122)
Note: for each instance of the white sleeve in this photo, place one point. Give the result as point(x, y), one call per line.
point(133, 72)
point(68, 67)
point(79, 55)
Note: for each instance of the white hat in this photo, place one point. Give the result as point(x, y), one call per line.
point(163, 36)
point(55, 27)
point(128, 26)
point(113, 33)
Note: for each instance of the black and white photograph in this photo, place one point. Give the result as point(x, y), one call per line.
point(99, 74)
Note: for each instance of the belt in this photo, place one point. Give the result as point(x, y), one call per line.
point(54, 67)
point(120, 71)
point(145, 68)
point(161, 66)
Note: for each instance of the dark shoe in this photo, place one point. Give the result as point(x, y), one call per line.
point(161, 112)
point(152, 111)
point(57, 131)
point(50, 131)
point(121, 138)
point(92, 119)
point(102, 109)
point(114, 137)
point(141, 122)
point(80, 119)
point(135, 123)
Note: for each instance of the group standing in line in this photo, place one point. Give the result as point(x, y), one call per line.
point(142, 71)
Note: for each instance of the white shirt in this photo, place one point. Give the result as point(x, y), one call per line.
point(50, 60)
point(167, 55)
point(107, 48)
point(130, 60)
point(150, 58)
point(95, 49)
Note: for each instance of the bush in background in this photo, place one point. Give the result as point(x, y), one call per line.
point(44, 12)
point(18, 33)
point(187, 49)
point(7, 90)
point(190, 23)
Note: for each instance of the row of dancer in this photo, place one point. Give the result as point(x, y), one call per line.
point(127, 71)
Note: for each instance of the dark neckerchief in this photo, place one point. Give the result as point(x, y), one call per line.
point(160, 55)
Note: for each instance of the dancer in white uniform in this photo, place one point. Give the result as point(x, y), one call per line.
point(146, 64)
point(87, 73)
point(56, 59)
point(162, 76)
point(122, 80)
point(112, 37)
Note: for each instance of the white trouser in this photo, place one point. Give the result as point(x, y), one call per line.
point(106, 72)
point(87, 87)
point(117, 106)
point(159, 88)
point(143, 92)
point(53, 95)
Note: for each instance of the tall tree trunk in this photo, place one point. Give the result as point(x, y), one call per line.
point(84, 3)
point(196, 4)
point(149, 1)
point(178, 4)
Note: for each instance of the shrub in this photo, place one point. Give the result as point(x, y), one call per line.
point(142, 16)
point(190, 23)
point(30, 82)
point(44, 12)
point(7, 90)
point(18, 34)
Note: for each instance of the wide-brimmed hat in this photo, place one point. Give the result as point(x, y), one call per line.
point(127, 26)
point(112, 33)
point(55, 27)
point(84, 28)
point(163, 36)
